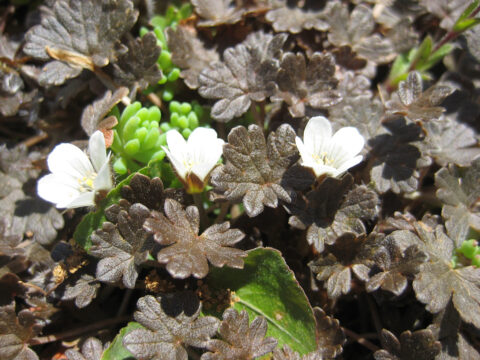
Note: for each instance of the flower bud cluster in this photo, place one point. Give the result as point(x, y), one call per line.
point(184, 117)
point(160, 22)
point(137, 139)
point(468, 252)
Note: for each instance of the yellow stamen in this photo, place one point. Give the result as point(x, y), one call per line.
point(323, 159)
point(86, 183)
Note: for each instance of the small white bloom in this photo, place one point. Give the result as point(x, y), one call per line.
point(327, 154)
point(74, 178)
point(194, 159)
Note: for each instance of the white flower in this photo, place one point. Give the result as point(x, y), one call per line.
point(194, 159)
point(327, 154)
point(74, 179)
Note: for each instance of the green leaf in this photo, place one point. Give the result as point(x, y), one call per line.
point(466, 24)
point(436, 57)
point(400, 67)
point(116, 351)
point(424, 52)
point(267, 287)
point(466, 13)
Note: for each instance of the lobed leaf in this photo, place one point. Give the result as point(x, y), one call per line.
point(77, 35)
point(171, 323)
point(419, 345)
point(255, 167)
point(395, 265)
point(296, 19)
point(15, 332)
point(217, 12)
point(187, 252)
point(122, 244)
point(138, 68)
point(414, 103)
point(246, 74)
point(189, 54)
point(397, 157)
point(239, 339)
point(459, 191)
point(92, 349)
point(303, 85)
point(355, 29)
point(449, 141)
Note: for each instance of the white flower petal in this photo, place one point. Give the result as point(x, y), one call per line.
point(320, 170)
point(57, 189)
point(349, 163)
point(69, 159)
point(84, 199)
point(349, 139)
point(103, 181)
point(96, 150)
point(198, 155)
point(317, 134)
point(176, 143)
point(205, 149)
point(177, 162)
point(177, 152)
point(327, 154)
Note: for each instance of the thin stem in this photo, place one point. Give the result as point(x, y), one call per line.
point(256, 115)
point(197, 199)
point(376, 319)
point(126, 298)
point(35, 139)
point(154, 99)
point(224, 207)
point(361, 340)
point(222, 133)
point(79, 331)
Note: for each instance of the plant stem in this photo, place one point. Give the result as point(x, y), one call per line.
point(35, 139)
point(256, 115)
point(224, 207)
point(376, 319)
point(126, 298)
point(361, 340)
point(79, 331)
point(197, 199)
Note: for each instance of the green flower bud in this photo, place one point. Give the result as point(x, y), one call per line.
point(120, 166)
point(174, 74)
point(151, 139)
point(132, 147)
point(186, 133)
point(185, 108)
point(130, 128)
point(129, 111)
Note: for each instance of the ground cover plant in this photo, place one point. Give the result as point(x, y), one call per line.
point(248, 179)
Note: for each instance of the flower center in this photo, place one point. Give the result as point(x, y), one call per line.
point(188, 164)
point(86, 183)
point(323, 159)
